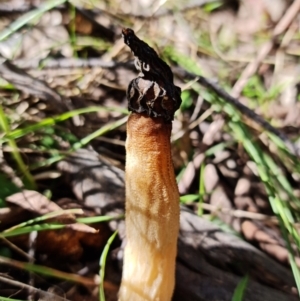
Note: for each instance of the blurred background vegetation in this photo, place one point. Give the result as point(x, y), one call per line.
point(64, 71)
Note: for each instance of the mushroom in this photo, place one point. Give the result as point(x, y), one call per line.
point(152, 197)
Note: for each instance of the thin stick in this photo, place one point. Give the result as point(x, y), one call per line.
point(252, 67)
point(241, 107)
point(43, 295)
point(239, 213)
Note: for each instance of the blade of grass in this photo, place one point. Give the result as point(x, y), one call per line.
point(105, 129)
point(44, 217)
point(28, 17)
point(29, 181)
point(280, 208)
point(47, 271)
point(31, 225)
point(29, 229)
point(98, 219)
point(239, 291)
point(99, 132)
point(102, 265)
point(201, 190)
point(73, 37)
point(189, 198)
point(17, 133)
point(9, 299)
point(273, 183)
point(281, 179)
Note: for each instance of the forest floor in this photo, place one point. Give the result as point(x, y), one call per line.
point(64, 72)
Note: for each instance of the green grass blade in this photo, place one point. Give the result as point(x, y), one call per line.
point(45, 217)
point(52, 121)
point(47, 271)
point(102, 265)
point(274, 181)
point(29, 229)
point(269, 176)
point(98, 219)
point(31, 225)
point(105, 129)
point(201, 190)
point(189, 198)
point(28, 17)
point(239, 291)
point(9, 299)
point(28, 178)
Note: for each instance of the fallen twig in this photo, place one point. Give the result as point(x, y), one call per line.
point(242, 108)
point(42, 294)
point(251, 68)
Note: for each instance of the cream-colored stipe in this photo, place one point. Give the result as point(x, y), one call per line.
point(152, 212)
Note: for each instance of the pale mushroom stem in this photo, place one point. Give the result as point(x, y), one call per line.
point(152, 211)
point(152, 198)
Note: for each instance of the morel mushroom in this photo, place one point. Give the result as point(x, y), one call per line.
point(152, 198)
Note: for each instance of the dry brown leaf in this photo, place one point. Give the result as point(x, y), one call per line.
point(33, 201)
point(82, 228)
point(36, 202)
